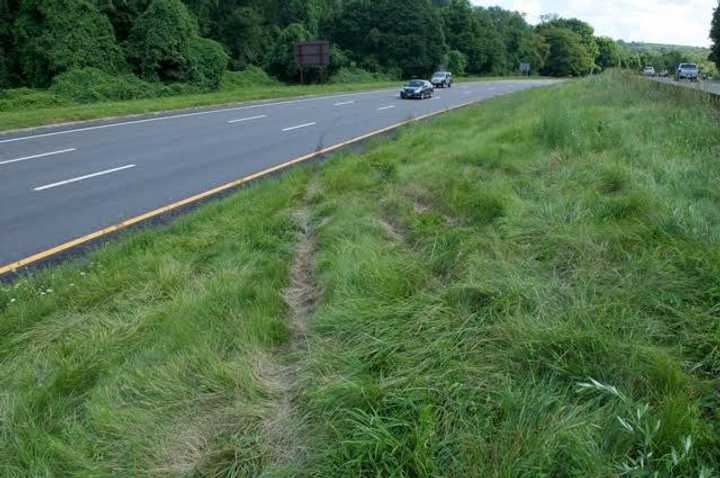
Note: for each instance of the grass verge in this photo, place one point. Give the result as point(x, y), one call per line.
point(527, 287)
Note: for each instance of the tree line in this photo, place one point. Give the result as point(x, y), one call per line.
point(195, 41)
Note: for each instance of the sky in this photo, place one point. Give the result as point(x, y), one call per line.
point(680, 22)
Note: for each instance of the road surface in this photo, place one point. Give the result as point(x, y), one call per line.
point(62, 184)
point(710, 86)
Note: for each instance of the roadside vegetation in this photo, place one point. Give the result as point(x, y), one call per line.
point(666, 58)
point(527, 287)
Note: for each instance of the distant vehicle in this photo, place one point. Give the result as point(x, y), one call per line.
point(442, 79)
point(664, 74)
point(687, 71)
point(419, 89)
point(649, 71)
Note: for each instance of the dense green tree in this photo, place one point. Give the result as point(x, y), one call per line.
point(470, 32)
point(281, 60)
point(122, 14)
point(495, 53)
point(521, 44)
point(8, 10)
point(54, 36)
point(207, 61)
point(609, 54)
point(567, 56)
point(533, 49)
point(302, 12)
point(456, 62)
point(160, 40)
point(586, 32)
point(715, 37)
point(392, 34)
point(164, 45)
point(205, 12)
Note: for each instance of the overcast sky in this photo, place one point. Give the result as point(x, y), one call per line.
point(681, 22)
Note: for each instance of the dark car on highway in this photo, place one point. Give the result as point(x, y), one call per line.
point(419, 89)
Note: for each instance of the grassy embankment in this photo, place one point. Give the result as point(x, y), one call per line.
point(527, 287)
point(23, 107)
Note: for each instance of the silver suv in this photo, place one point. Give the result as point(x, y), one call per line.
point(687, 71)
point(442, 79)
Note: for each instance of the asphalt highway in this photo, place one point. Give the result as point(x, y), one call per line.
point(63, 183)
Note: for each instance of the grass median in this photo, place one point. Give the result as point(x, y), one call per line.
point(526, 287)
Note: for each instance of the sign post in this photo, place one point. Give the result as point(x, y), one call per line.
point(312, 54)
point(525, 69)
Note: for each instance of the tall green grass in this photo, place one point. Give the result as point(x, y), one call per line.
point(143, 361)
point(546, 305)
point(528, 287)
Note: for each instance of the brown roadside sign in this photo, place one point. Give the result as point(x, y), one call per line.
point(312, 53)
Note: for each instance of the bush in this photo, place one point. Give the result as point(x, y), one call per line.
point(357, 75)
point(207, 61)
point(178, 89)
point(281, 61)
point(567, 56)
point(18, 99)
point(159, 42)
point(250, 76)
point(89, 85)
point(457, 62)
point(54, 36)
point(164, 45)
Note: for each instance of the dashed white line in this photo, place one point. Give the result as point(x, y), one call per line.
point(81, 178)
point(35, 156)
point(251, 118)
point(343, 103)
point(293, 128)
point(383, 108)
point(188, 115)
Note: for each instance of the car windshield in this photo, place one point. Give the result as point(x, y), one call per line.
point(688, 66)
point(439, 75)
point(416, 83)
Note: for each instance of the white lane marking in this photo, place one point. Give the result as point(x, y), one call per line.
point(251, 118)
point(383, 108)
point(35, 156)
point(293, 128)
point(81, 178)
point(187, 115)
point(343, 103)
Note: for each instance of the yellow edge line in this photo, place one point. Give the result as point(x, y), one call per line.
point(14, 266)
